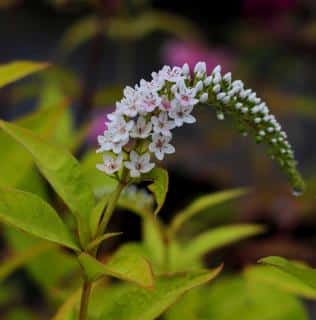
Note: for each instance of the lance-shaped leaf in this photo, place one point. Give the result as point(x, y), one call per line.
point(63, 172)
point(31, 214)
point(279, 279)
point(13, 71)
point(235, 298)
point(217, 238)
point(203, 203)
point(304, 274)
point(126, 264)
point(138, 304)
point(159, 185)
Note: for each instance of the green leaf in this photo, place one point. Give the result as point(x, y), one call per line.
point(49, 281)
point(304, 274)
point(139, 304)
point(236, 298)
point(101, 183)
point(279, 279)
point(11, 264)
point(153, 241)
point(15, 161)
point(217, 238)
point(100, 239)
point(203, 203)
point(31, 214)
point(159, 187)
point(13, 71)
point(63, 172)
point(126, 264)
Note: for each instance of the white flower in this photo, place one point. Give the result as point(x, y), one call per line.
point(162, 124)
point(141, 129)
point(171, 75)
point(120, 128)
point(186, 69)
point(139, 164)
point(149, 101)
point(185, 95)
point(160, 146)
point(204, 97)
point(110, 164)
point(106, 143)
point(181, 114)
point(200, 69)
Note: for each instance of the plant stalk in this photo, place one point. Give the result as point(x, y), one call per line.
point(110, 207)
point(85, 295)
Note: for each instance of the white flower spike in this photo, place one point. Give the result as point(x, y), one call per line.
point(142, 124)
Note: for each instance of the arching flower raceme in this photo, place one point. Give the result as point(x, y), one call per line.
point(140, 128)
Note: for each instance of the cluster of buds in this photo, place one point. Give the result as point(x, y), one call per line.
point(140, 128)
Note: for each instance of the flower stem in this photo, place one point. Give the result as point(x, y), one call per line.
point(86, 289)
point(110, 207)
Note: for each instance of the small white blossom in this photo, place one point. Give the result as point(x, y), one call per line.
point(110, 164)
point(141, 129)
point(162, 124)
point(181, 114)
point(184, 95)
point(120, 128)
point(139, 164)
point(160, 146)
point(204, 97)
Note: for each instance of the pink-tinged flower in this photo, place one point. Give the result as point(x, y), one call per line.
point(176, 52)
point(267, 8)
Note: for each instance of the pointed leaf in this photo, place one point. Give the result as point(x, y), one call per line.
point(203, 203)
point(139, 304)
point(304, 274)
point(31, 214)
point(62, 170)
point(13, 71)
point(217, 238)
point(159, 187)
point(235, 298)
point(126, 264)
point(279, 279)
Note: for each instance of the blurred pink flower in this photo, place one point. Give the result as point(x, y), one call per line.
point(98, 125)
point(176, 52)
point(267, 8)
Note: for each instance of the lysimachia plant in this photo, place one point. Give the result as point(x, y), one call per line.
point(139, 130)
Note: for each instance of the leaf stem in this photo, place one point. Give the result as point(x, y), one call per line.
point(85, 295)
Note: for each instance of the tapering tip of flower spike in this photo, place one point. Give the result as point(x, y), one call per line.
point(141, 126)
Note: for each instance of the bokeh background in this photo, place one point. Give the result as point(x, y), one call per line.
point(98, 47)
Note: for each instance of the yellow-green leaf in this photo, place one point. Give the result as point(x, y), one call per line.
point(159, 185)
point(31, 214)
point(134, 303)
point(203, 203)
point(217, 238)
point(304, 274)
point(63, 172)
point(235, 298)
point(13, 71)
point(279, 279)
point(126, 264)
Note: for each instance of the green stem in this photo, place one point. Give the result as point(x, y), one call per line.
point(86, 289)
point(110, 207)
